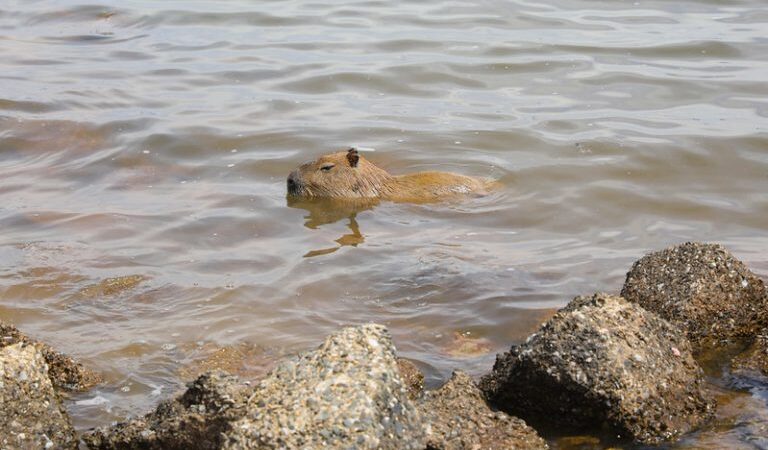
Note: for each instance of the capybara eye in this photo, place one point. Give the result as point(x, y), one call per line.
point(327, 167)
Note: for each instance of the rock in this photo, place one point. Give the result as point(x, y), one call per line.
point(196, 420)
point(601, 360)
point(111, 287)
point(32, 415)
point(412, 378)
point(701, 288)
point(65, 373)
point(753, 361)
point(460, 419)
point(346, 394)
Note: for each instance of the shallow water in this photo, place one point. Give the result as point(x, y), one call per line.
point(151, 141)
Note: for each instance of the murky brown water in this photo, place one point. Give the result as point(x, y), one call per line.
point(151, 141)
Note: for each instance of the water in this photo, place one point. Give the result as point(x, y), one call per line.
point(151, 140)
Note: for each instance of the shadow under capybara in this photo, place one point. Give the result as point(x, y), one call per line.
point(348, 175)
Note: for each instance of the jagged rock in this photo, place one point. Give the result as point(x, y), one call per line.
point(32, 416)
point(346, 394)
point(601, 360)
point(412, 378)
point(194, 421)
point(460, 419)
point(65, 373)
point(701, 288)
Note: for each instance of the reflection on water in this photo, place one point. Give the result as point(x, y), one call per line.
point(144, 149)
point(323, 211)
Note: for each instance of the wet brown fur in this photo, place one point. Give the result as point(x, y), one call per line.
point(349, 175)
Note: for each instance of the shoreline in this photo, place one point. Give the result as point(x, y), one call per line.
point(598, 362)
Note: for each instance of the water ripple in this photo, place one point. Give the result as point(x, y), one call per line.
point(153, 139)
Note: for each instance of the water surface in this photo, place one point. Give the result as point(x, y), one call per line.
point(151, 140)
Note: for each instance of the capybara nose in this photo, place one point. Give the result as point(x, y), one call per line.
point(293, 185)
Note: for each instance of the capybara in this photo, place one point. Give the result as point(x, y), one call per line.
point(348, 175)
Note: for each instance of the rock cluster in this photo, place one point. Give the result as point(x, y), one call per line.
point(346, 394)
point(32, 415)
point(701, 288)
point(625, 364)
point(600, 360)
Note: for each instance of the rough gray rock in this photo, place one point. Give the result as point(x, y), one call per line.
point(701, 288)
point(32, 416)
point(600, 360)
point(65, 373)
point(460, 419)
point(346, 394)
point(196, 420)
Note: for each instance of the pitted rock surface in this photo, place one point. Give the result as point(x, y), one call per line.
point(602, 359)
point(460, 419)
point(703, 289)
point(346, 394)
point(32, 416)
point(65, 373)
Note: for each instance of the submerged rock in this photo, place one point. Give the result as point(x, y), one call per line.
point(703, 289)
point(753, 361)
point(111, 286)
point(244, 360)
point(600, 360)
point(459, 419)
point(346, 394)
point(32, 415)
point(196, 420)
point(464, 345)
point(65, 373)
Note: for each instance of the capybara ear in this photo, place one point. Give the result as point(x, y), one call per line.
point(353, 157)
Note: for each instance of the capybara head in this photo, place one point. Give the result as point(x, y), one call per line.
point(338, 175)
